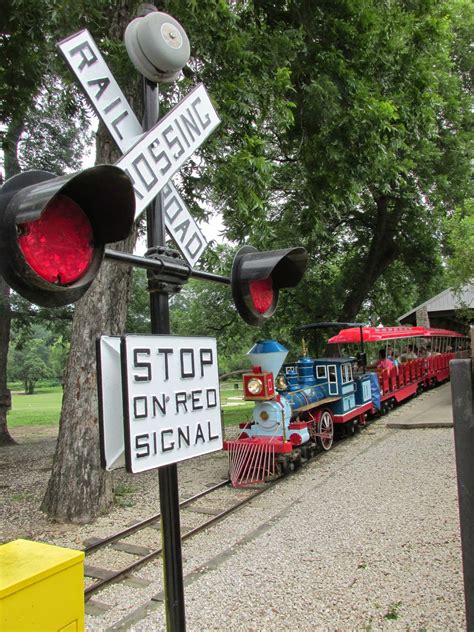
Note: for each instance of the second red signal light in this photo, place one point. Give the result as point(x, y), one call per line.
point(257, 278)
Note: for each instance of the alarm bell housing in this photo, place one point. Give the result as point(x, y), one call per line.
point(158, 46)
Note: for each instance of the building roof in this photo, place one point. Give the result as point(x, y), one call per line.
point(446, 301)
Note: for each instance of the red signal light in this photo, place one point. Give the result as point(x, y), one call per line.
point(257, 277)
point(261, 293)
point(53, 230)
point(59, 245)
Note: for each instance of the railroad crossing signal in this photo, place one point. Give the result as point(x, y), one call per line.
point(152, 159)
point(185, 130)
point(257, 278)
point(53, 230)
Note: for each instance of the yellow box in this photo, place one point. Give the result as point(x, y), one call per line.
point(41, 588)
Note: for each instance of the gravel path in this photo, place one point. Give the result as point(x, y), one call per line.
point(366, 538)
point(369, 540)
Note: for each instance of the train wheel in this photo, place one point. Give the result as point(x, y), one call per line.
point(326, 428)
point(350, 428)
point(283, 466)
point(297, 462)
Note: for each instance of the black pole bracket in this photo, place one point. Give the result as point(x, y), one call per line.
point(173, 273)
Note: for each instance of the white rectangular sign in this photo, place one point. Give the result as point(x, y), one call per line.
point(171, 399)
point(168, 145)
point(109, 382)
point(108, 100)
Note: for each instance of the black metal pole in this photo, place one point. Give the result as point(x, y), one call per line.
point(462, 388)
point(168, 474)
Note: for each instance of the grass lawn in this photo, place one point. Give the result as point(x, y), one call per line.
point(235, 409)
point(44, 407)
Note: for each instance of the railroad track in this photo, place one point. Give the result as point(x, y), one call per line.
point(140, 586)
point(100, 576)
point(220, 501)
point(219, 506)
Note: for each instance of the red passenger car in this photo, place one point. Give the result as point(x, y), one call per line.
point(425, 365)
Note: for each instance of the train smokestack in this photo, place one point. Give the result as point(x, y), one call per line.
point(269, 355)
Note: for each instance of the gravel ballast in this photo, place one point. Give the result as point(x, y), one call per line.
point(368, 541)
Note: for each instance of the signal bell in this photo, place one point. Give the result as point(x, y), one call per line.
point(257, 278)
point(53, 230)
point(158, 46)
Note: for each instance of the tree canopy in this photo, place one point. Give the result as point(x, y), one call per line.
point(346, 128)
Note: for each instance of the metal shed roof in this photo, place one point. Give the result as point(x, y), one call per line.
point(446, 301)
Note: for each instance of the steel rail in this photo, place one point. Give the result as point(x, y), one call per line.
point(147, 521)
point(90, 590)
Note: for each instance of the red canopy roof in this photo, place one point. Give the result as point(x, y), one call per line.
point(430, 332)
point(379, 334)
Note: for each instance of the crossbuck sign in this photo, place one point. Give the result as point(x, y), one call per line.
point(153, 158)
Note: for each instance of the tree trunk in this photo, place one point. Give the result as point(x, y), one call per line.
point(79, 489)
point(12, 167)
point(10, 145)
point(5, 396)
point(383, 251)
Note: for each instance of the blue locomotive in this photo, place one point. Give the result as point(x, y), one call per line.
point(296, 408)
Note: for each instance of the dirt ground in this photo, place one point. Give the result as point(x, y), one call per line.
point(25, 469)
point(33, 434)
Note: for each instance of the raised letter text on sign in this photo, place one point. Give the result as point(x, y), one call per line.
point(171, 399)
point(104, 93)
point(167, 146)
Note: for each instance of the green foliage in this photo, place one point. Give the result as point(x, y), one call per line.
point(29, 365)
point(41, 109)
point(392, 613)
point(55, 134)
point(123, 495)
point(37, 353)
point(138, 316)
point(345, 128)
point(460, 241)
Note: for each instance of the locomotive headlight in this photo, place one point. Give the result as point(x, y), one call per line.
point(255, 386)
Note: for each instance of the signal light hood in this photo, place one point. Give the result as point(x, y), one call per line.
point(103, 193)
point(258, 276)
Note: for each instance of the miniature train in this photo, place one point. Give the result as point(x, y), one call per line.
point(299, 406)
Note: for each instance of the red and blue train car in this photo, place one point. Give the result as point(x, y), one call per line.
point(300, 406)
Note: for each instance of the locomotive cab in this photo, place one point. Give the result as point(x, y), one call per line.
point(336, 375)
